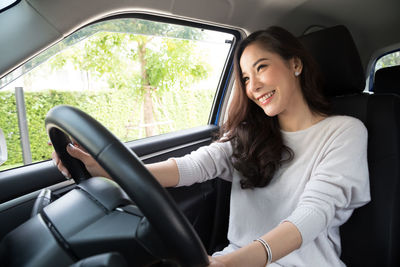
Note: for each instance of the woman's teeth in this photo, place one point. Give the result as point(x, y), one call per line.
point(265, 97)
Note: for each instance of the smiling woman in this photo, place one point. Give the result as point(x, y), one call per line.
point(282, 156)
point(272, 62)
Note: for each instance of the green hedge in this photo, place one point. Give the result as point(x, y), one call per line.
point(118, 110)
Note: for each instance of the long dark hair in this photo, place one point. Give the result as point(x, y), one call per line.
point(258, 148)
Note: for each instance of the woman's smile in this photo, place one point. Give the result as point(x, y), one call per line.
point(267, 98)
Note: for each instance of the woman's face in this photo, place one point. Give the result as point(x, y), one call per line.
point(270, 81)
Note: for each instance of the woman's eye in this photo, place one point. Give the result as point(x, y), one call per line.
point(260, 67)
point(245, 79)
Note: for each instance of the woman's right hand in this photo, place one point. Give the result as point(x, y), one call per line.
point(76, 151)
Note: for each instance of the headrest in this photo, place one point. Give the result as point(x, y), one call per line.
point(387, 80)
point(336, 53)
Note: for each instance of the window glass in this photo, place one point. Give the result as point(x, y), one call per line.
point(392, 59)
point(139, 78)
point(6, 3)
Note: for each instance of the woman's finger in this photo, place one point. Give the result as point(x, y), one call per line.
point(78, 153)
point(57, 162)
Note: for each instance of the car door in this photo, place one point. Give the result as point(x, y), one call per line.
point(160, 85)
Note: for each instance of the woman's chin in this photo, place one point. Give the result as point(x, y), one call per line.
point(270, 112)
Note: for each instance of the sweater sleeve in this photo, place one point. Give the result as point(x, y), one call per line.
point(206, 163)
point(339, 183)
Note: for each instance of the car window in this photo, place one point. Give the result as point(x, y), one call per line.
point(388, 60)
point(5, 4)
point(138, 77)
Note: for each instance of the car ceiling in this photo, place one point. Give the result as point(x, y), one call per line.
point(32, 25)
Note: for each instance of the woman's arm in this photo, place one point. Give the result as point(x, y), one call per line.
point(282, 240)
point(165, 172)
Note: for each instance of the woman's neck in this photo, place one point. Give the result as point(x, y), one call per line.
point(299, 119)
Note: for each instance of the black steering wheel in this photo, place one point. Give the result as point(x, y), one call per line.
point(130, 173)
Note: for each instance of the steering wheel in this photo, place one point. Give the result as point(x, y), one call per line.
point(129, 172)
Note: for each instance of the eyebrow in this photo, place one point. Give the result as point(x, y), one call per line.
point(255, 63)
point(258, 61)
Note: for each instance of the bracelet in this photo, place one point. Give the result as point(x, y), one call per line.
point(267, 250)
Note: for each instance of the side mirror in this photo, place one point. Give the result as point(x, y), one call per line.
point(3, 148)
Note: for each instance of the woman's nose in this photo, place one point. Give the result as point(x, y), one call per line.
point(254, 84)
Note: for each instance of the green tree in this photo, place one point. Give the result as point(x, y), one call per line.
point(146, 57)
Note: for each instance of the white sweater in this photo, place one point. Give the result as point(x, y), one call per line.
point(317, 191)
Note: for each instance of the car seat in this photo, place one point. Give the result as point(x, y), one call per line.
point(371, 236)
point(387, 80)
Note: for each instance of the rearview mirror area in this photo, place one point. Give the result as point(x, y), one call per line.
point(3, 148)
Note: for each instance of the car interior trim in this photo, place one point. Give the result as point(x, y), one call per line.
point(155, 154)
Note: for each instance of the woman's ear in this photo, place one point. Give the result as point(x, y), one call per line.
point(297, 66)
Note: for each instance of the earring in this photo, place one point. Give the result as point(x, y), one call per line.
point(297, 73)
